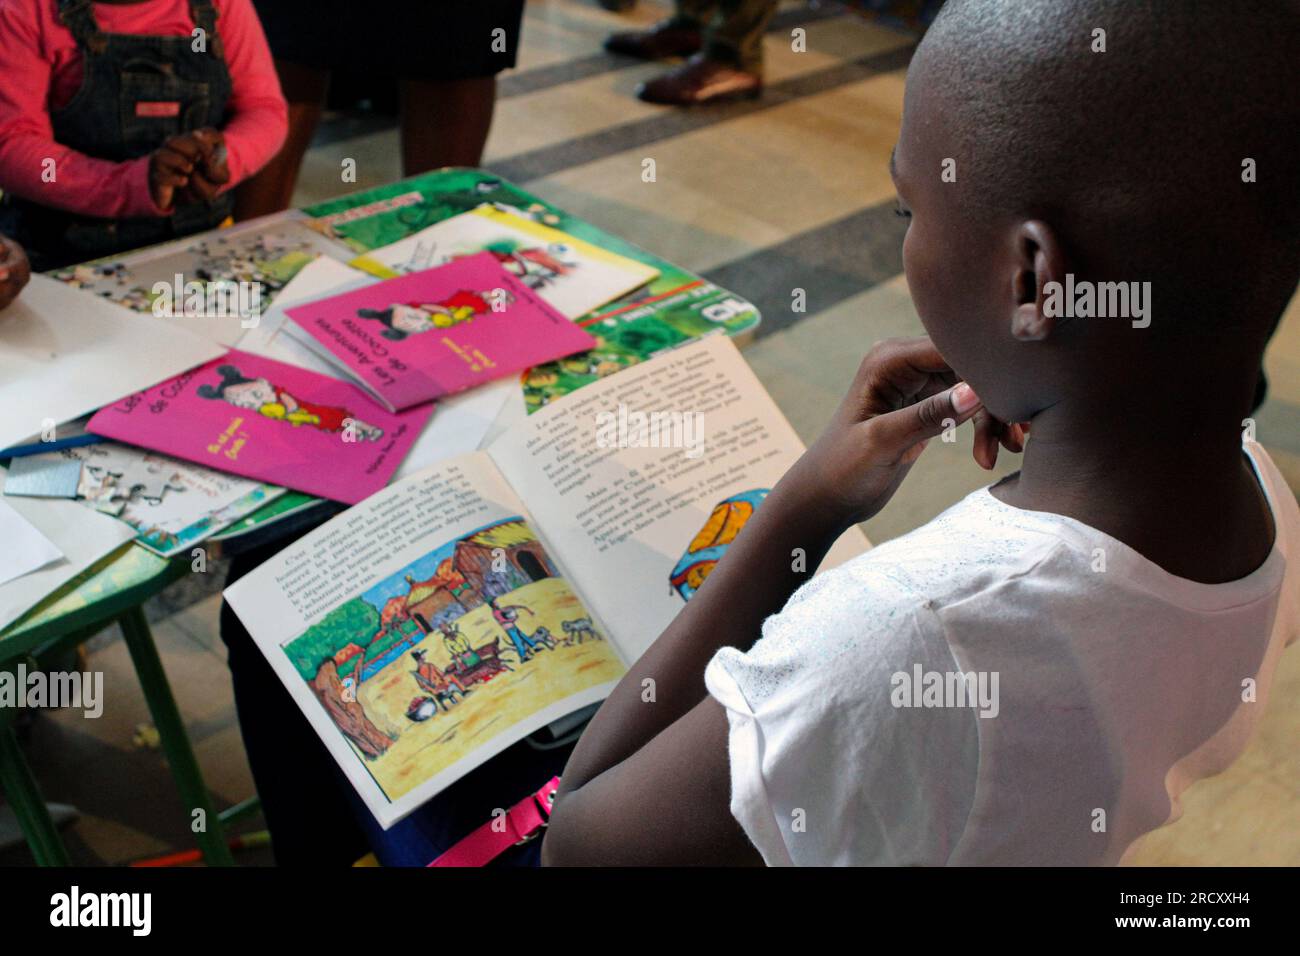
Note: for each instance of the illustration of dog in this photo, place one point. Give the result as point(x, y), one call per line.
point(579, 630)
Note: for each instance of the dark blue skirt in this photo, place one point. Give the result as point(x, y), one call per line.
point(427, 40)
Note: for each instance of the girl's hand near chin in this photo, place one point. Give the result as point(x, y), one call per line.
point(903, 395)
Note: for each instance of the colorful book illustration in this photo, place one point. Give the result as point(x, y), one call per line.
point(706, 549)
point(249, 263)
point(272, 422)
point(432, 333)
point(571, 275)
point(675, 307)
point(505, 589)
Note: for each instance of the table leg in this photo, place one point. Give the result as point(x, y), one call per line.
point(175, 741)
point(25, 797)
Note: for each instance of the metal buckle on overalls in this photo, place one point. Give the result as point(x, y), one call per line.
point(544, 804)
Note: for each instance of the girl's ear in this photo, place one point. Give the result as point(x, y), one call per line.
point(1038, 281)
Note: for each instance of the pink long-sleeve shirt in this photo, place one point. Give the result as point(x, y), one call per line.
point(41, 70)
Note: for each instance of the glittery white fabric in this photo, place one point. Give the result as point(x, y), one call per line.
point(1115, 689)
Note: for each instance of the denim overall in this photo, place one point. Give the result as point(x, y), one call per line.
point(136, 93)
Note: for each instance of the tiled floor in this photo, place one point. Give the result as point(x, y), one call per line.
point(788, 192)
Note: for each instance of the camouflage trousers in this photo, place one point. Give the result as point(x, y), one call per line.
point(733, 29)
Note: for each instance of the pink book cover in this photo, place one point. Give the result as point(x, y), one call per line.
point(442, 330)
point(263, 419)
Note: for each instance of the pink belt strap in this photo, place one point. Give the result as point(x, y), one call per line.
point(523, 822)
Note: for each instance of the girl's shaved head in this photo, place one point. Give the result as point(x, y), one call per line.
point(1135, 128)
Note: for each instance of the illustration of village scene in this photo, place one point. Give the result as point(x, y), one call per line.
point(457, 647)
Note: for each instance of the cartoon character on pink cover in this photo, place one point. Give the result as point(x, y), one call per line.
point(272, 401)
point(412, 318)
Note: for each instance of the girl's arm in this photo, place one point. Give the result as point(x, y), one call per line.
point(258, 113)
point(649, 781)
point(32, 164)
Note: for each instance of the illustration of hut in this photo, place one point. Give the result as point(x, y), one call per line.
point(444, 597)
point(524, 559)
point(708, 546)
point(393, 614)
point(351, 650)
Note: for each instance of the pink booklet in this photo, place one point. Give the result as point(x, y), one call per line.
point(263, 419)
point(431, 333)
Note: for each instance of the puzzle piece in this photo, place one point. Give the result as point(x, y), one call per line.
point(149, 480)
point(127, 473)
point(43, 476)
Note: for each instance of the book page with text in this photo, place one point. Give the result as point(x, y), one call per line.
point(642, 480)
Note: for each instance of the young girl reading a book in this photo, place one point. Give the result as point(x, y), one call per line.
point(1035, 676)
point(125, 122)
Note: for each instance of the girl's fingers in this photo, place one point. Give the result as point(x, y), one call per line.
point(217, 173)
point(990, 433)
point(186, 145)
point(898, 432)
point(170, 159)
point(201, 188)
point(985, 446)
point(1012, 438)
point(167, 177)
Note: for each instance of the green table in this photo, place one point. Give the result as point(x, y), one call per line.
point(113, 591)
point(673, 308)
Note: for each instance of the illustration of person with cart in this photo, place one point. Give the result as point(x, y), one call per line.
point(507, 617)
point(435, 680)
point(458, 646)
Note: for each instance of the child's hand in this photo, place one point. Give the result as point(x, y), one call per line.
point(171, 166)
point(190, 167)
point(903, 395)
point(15, 270)
point(991, 432)
point(211, 172)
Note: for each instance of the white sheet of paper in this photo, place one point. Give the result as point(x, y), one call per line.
point(81, 535)
point(459, 425)
point(25, 548)
point(65, 352)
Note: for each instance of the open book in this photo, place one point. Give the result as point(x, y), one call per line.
point(474, 602)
